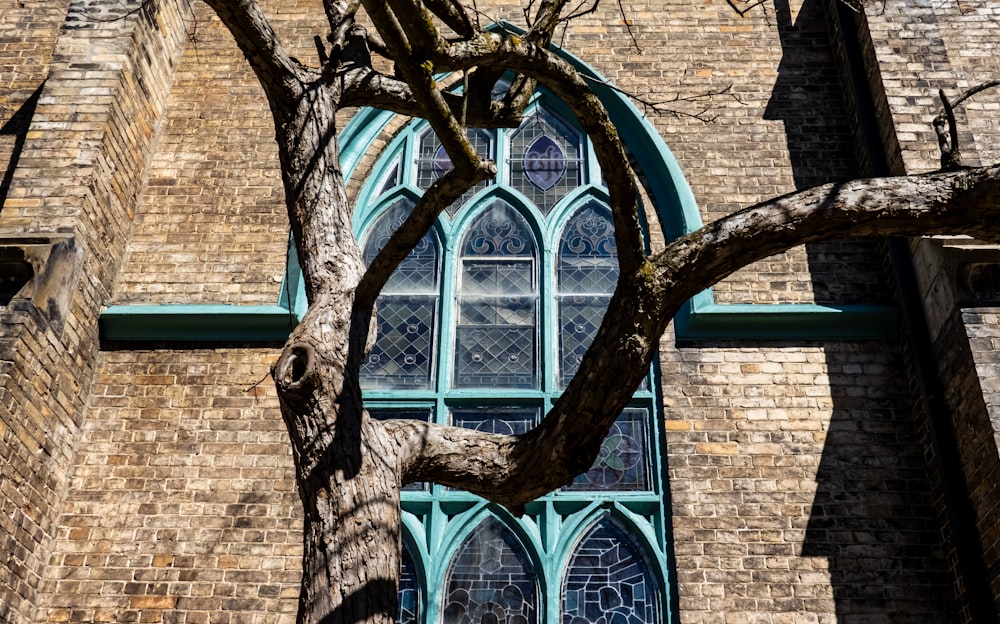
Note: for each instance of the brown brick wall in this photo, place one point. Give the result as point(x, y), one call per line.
point(798, 486)
point(78, 174)
point(925, 46)
point(182, 506)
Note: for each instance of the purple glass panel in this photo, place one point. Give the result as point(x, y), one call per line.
point(544, 162)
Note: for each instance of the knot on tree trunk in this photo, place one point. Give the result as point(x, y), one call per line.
point(293, 371)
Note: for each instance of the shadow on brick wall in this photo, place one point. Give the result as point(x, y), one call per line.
point(872, 517)
point(809, 101)
point(17, 127)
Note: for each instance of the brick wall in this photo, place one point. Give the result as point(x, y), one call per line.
point(77, 175)
point(182, 507)
point(799, 488)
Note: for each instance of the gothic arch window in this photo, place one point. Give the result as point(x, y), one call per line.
point(483, 327)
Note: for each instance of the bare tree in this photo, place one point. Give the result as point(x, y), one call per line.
point(349, 466)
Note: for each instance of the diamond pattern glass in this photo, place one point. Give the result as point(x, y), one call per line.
point(579, 318)
point(490, 580)
point(496, 336)
point(433, 162)
point(623, 462)
point(586, 276)
point(403, 355)
point(609, 581)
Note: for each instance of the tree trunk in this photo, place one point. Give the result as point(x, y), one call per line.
point(347, 470)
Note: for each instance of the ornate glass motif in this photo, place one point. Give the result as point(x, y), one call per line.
point(409, 591)
point(609, 580)
point(545, 160)
point(495, 339)
point(490, 580)
point(623, 462)
point(587, 275)
point(433, 161)
point(403, 355)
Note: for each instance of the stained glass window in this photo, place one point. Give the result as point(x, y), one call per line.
point(623, 461)
point(409, 591)
point(491, 580)
point(433, 161)
point(403, 355)
point(510, 289)
point(608, 580)
point(497, 297)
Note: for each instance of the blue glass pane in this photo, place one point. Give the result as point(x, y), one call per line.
point(499, 231)
point(623, 462)
point(490, 580)
point(587, 275)
point(544, 162)
point(419, 271)
point(579, 318)
point(609, 581)
point(409, 591)
point(403, 354)
point(588, 257)
point(433, 162)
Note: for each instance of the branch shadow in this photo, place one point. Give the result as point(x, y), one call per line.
point(17, 127)
point(873, 516)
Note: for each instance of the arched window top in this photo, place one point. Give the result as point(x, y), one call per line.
point(490, 579)
point(609, 579)
point(419, 272)
point(588, 259)
point(498, 231)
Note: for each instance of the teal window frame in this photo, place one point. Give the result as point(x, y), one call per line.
point(438, 519)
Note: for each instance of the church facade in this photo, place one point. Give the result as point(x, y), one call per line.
point(819, 440)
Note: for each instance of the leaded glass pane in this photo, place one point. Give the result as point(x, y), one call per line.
point(409, 591)
point(579, 318)
point(623, 462)
point(609, 581)
point(419, 271)
point(495, 337)
point(587, 275)
point(433, 161)
point(403, 355)
point(588, 259)
point(502, 420)
point(545, 160)
point(423, 414)
point(490, 580)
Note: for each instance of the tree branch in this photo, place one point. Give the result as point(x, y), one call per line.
point(278, 73)
point(517, 54)
point(549, 456)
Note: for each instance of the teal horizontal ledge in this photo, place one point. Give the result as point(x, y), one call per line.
point(196, 323)
point(712, 321)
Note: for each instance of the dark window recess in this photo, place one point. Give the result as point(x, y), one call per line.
point(14, 274)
